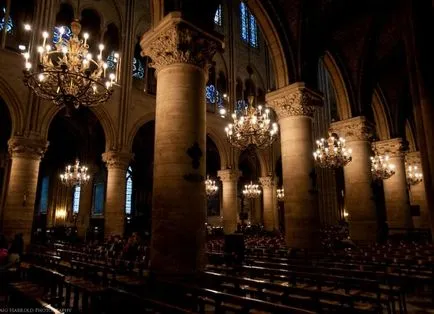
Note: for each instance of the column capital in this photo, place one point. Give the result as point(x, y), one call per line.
point(413, 158)
point(229, 175)
point(118, 160)
point(175, 40)
point(267, 182)
point(294, 100)
point(394, 147)
point(354, 129)
point(25, 147)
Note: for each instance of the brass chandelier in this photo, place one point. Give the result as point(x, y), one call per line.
point(381, 169)
point(252, 126)
point(280, 195)
point(332, 153)
point(75, 175)
point(211, 187)
point(68, 74)
point(251, 190)
point(414, 176)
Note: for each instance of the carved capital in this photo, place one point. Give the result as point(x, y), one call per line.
point(394, 147)
point(27, 147)
point(175, 40)
point(229, 175)
point(413, 158)
point(117, 160)
point(267, 182)
point(354, 129)
point(294, 100)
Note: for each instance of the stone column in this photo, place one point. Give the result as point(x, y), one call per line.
point(180, 53)
point(19, 208)
point(395, 188)
point(85, 211)
point(359, 197)
point(294, 105)
point(229, 180)
point(267, 184)
point(114, 211)
point(418, 194)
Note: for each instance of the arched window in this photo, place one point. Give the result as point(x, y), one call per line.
point(43, 200)
point(129, 191)
point(76, 199)
point(9, 23)
point(98, 199)
point(249, 28)
point(218, 16)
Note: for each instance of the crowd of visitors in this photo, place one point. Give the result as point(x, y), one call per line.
point(10, 253)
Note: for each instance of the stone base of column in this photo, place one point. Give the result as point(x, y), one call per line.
point(302, 233)
point(363, 232)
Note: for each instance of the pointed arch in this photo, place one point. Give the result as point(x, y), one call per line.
point(381, 116)
point(410, 137)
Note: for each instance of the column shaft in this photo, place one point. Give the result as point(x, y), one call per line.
point(269, 206)
point(359, 197)
point(85, 210)
point(229, 179)
point(294, 106)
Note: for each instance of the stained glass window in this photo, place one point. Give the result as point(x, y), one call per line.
point(57, 34)
point(138, 70)
point(98, 198)
point(213, 96)
point(43, 202)
point(76, 199)
point(129, 191)
point(111, 61)
point(9, 24)
point(249, 28)
point(218, 16)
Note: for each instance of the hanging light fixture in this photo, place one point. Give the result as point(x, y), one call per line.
point(381, 168)
point(251, 190)
point(280, 195)
point(68, 74)
point(252, 126)
point(211, 187)
point(414, 176)
point(75, 175)
point(332, 153)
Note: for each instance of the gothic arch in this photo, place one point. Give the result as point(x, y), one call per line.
point(14, 106)
point(409, 135)
point(380, 115)
point(102, 116)
point(221, 146)
point(136, 127)
point(342, 99)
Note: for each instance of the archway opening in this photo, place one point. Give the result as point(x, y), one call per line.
point(213, 165)
point(65, 209)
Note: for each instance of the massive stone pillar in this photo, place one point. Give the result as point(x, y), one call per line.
point(267, 184)
point(359, 197)
point(180, 53)
point(294, 105)
point(418, 194)
point(395, 188)
point(85, 211)
point(114, 211)
point(19, 208)
point(229, 180)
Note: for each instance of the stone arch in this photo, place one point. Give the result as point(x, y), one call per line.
point(102, 116)
point(14, 106)
point(136, 127)
point(409, 135)
point(342, 97)
point(221, 146)
point(380, 115)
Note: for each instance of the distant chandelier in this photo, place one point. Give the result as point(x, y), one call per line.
point(251, 126)
point(68, 74)
point(280, 194)
point(75, 175)
point(381, 168)
point(331, 153)
point(211, 187)
point(251, 190)
point(413, 175)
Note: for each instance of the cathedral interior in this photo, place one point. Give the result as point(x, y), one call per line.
point(219, 156)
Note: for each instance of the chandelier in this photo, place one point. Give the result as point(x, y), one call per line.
point(251, 190)
point(381, 168)
point(413, 175)
point(75, 175)
point(332, 153)
point(68, 74)
point(280, 195)
point(210, 187)
point(251, 126)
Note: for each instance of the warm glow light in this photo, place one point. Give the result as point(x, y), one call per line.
point(332, 153)
point(75, 175)
point(252, 190)
point(414, 176)
point(211, 187)
point(381, 168)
